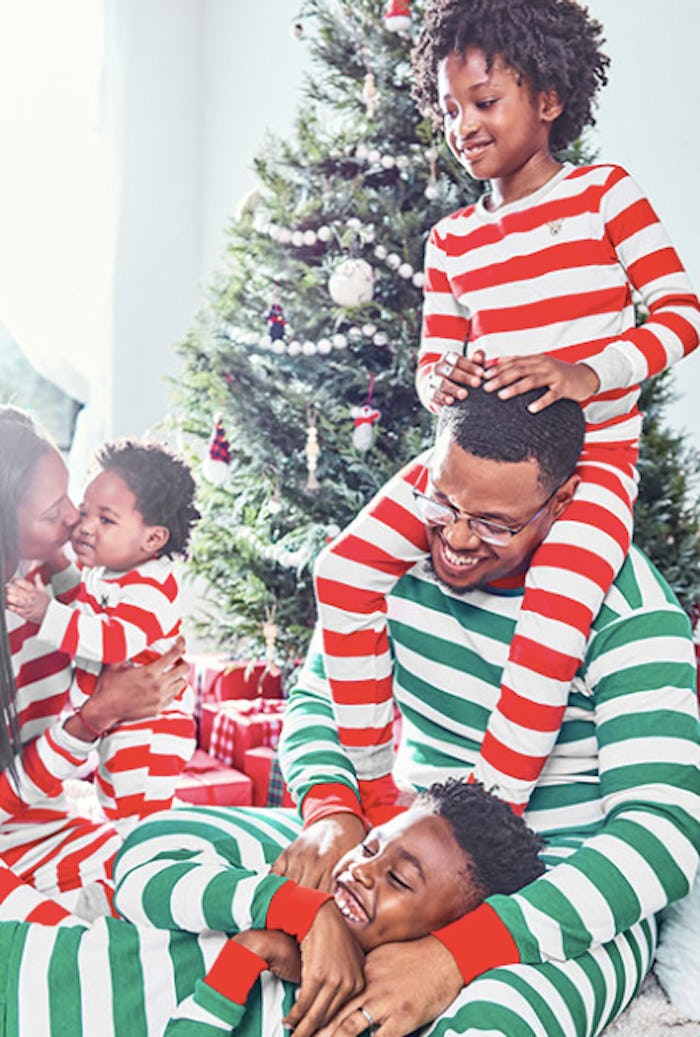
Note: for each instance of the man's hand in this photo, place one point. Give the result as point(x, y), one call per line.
point(452, 374)
point(28, 600)
point(513, 375)
point(310, 859)
point(331, 972)
point(407, 985)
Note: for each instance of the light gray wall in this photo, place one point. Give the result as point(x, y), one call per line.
point(202, 79)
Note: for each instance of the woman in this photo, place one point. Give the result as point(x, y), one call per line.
point(43, 845)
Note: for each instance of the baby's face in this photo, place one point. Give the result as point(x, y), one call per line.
point(405, 879)
point(110, 532)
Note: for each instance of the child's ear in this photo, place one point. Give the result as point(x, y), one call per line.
point(551, 106)
point(156, 538)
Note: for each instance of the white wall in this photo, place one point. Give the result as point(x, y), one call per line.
point(204, 78)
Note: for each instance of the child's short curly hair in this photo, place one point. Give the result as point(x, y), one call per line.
point(553, 44)
point(505, 853)
point(161, 483)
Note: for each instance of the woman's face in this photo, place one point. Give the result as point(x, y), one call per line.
point(45, 515)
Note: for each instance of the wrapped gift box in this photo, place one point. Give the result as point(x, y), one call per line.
point(205, 780)
point(258, 765)
point(228, 729)
point(217, 678)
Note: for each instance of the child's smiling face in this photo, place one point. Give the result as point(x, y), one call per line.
point(111, 531)
point(495, 125)
point(405, 879)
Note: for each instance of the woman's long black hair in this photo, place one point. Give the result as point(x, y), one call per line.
point(21, 448)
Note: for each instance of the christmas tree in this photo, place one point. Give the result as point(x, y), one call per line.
point(303, 356)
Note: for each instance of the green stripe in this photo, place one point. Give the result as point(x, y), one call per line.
point(12, 939)
point(63, 982)
point(128, 1000)
point(188, 963)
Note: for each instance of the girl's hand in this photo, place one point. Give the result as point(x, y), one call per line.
point(513, 375)
point(452, 374)
point(28, 600)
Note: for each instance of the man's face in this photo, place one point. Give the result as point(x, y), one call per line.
point(408, 877)
point(508, 494)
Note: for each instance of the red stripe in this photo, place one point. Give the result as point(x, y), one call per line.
point(47, 913)
point(366, 736)
point(367, 692)
point(341, 596)
point(557, 606)
point(576, 559)
point(508, 761)
point(354, 643)
point(533, 715)
point(563, 308)
point(439, 325)
point(548, 662)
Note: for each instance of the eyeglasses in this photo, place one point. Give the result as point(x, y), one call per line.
point(438, 513)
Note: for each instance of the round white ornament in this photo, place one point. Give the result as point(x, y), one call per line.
point(351, 283)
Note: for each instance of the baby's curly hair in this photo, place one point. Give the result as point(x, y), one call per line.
point(504, 851)
point(553, 44)
point(161, 483)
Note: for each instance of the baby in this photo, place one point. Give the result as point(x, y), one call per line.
point(137, 513)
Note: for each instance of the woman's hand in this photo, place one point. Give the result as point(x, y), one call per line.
point(513, 375)
point(28, 600)
point(126, 692)
point(312, 856)
point(452, 374)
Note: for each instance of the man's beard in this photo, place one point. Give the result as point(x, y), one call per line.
point(456, 592)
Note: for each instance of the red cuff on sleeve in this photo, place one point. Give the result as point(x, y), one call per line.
point(293, 909)
point(478, 942)
point(324, 800)
point(235, 971)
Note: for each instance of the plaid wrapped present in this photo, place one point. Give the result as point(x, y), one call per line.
point(239, 725)
point(215, 677)
point(206, 780)
point(261, 764)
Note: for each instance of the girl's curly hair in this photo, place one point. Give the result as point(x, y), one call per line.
point(553, 44)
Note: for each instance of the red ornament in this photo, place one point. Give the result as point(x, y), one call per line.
point(218, 459)
point(397, 16)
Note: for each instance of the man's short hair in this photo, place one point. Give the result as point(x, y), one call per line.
point(504, 430)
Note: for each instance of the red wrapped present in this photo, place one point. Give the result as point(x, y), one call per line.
point(232, 727)
point(206, 780)
point(257, 764)
point(217, 678)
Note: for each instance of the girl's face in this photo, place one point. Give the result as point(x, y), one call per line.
point(45, 515)
point(494, 124)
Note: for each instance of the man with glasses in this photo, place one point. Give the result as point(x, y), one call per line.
point(619, 799)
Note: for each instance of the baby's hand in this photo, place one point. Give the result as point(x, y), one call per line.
point(513, 375)
point(28, 600)
point(451, 376)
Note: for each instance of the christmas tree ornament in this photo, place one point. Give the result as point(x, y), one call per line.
point(351, 283)
point(311, 450)
point(275, 319)
point(270, 630)
point(218, 460)
point(370, 95)
point(397, 16)
point(364, 419)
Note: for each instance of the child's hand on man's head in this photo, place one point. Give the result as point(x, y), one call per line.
point(28, 600)
point(452, 376)
point(514, 375)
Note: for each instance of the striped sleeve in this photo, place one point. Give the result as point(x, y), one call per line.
point(653, 268)
point(197, 870)
point(41, 767)
point(144, 614)
point(445, 322)
point(353, 577)
point(644, 855)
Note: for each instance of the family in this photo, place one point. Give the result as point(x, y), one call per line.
point(503, 870)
